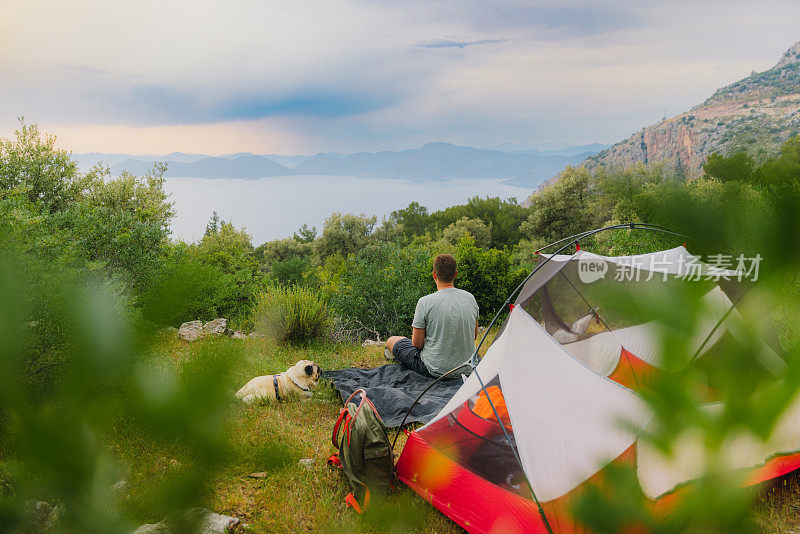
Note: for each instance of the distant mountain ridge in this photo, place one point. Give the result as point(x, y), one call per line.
point(436, 161)
point(210, 167)
point(756, 114)
point(432, 162)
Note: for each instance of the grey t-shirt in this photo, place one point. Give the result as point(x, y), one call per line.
point(448, 317)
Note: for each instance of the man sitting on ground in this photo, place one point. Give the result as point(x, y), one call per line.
point(445, 327)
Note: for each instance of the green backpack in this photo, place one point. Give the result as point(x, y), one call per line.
point(365, 454)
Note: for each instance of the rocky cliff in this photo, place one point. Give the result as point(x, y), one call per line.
point(756, 114)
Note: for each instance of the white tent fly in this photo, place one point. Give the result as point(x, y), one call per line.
point(554, 401)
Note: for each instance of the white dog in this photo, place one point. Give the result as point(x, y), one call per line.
point(298, 380)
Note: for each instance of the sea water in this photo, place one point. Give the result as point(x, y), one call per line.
point(274, 208)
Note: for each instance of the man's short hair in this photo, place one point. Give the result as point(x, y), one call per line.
point(445, 267)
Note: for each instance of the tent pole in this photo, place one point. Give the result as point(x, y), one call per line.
point(602, 321)
point(516, 454)
point(473, 360)
point(399, 428)
point(569, 241)
point(640, 226)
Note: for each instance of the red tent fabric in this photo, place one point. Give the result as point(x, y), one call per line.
point(561, 396)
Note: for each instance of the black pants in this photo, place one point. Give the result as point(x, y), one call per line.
point(407, 354)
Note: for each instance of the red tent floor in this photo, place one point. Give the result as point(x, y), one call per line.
point(480, 506)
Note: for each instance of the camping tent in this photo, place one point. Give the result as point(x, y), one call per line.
point(561, 376)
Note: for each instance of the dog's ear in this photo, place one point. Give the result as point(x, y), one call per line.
point(309, 370)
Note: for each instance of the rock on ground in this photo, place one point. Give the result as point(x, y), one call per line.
point(216, 327)
point(372, 343)
point(119, 487)
point(194, 330)
point(43, 514)
point(208, 522)
point(191, 331)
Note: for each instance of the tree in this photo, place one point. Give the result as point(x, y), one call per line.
point(140, 196)
point(33, 164)
point(486, 273)
point(414, 219)
point(475, 228)
point(281, 250)
point(562, 209)
point(213, 224)
point(344, 234)
point(505, 217)
point(305, 234)
point(226, 247)
point(737, 168)
point(389, 230)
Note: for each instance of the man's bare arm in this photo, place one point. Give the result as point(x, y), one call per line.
point(476, 329)
point(418, 337)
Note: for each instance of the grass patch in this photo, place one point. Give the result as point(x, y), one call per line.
point(272, 439)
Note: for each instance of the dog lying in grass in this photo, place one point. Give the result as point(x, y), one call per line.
point(298, 380)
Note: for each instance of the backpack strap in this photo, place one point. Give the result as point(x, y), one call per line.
point(364, 399)
point(343, 413)
point(350, 500)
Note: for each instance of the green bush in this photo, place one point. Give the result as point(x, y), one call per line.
point(183, 288)
point(377, 288)
point(296, 271)
point(76, 375)
point(489, 274)
point(292, 315)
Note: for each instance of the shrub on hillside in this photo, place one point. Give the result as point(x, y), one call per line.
point(295, 271)
point(489, 274)
point(378, 287)
point(184, 289)
point(292, 315)
point(281, 250)
point(31, 163)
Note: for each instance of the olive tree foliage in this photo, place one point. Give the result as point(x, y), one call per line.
point(504, 216)
point(390, 230)
point(115, 224)
point(225, 245)
point(141, 196)
point(32, 164)
point(344, 234)
point(281, 250)
point(561, 209)
point(475, 228)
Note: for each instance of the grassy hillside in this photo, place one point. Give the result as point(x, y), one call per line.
point(293, 498)
point(272, 439)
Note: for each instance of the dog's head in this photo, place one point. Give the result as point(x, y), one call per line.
point(307, 371)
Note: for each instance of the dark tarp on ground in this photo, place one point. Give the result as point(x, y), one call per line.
point(393, 388)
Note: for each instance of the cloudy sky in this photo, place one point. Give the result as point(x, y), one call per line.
point(155, 76)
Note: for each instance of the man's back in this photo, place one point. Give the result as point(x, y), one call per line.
point(448, 317)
